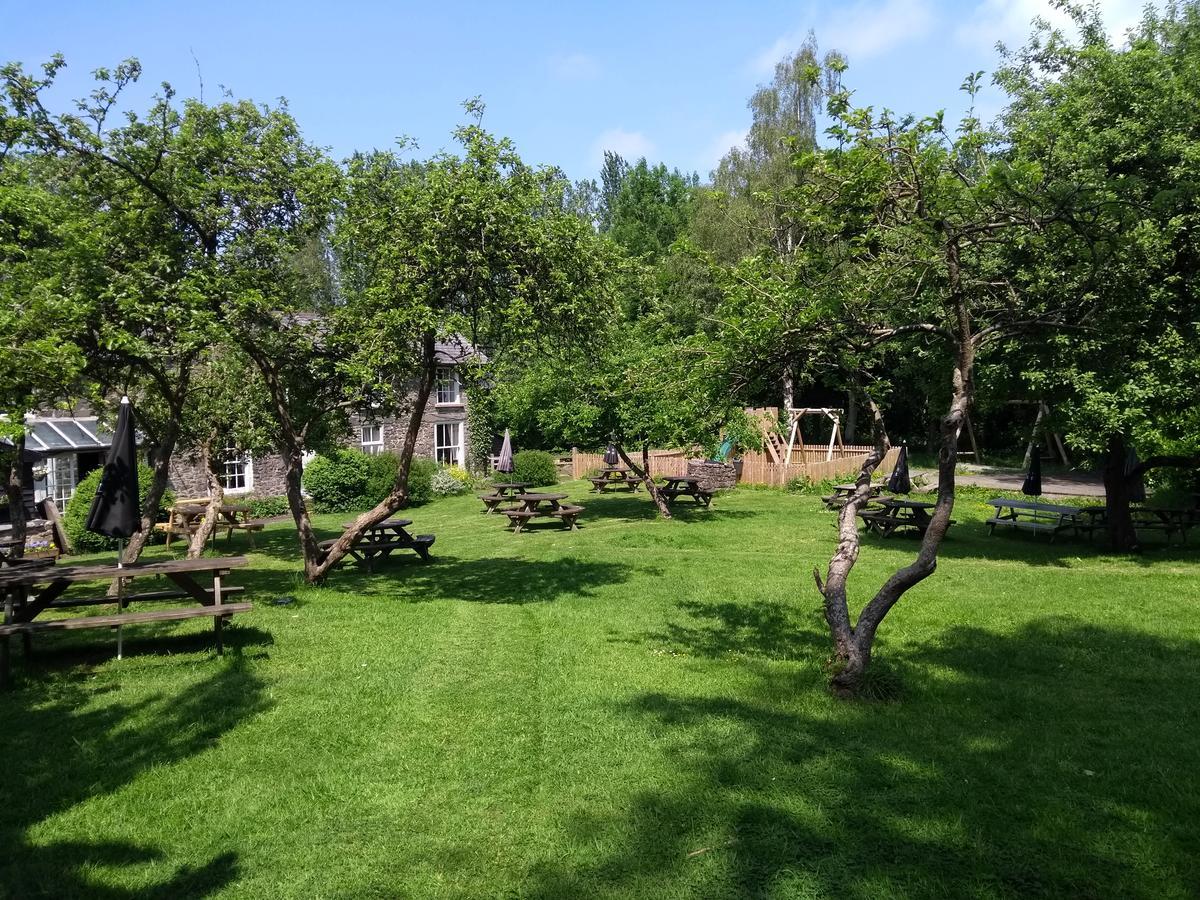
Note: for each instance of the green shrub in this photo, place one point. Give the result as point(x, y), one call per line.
point(461, 475)
point(381, 476)
point(338, 482)
point(535, 467)
point(75, 516)
point(444, 484)
point(420, 480)
point(267, 507)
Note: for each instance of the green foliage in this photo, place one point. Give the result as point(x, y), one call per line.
point(381, 476)
point(267, 507)
point(76, 513)
point(446, 484)
point(338, 482)
point(481, 426)
point(420, 480)
point(535, 467)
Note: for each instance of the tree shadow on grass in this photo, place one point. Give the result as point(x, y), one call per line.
point(722, 630)
point(496, 580)
point(1055, 761)
point(65, 743)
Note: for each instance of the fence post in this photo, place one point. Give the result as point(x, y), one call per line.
point(574, 463)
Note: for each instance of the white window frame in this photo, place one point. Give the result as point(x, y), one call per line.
point(374, 446)
point(452, 451)
point(232, 457)
point(447, 384)
point(58, 466)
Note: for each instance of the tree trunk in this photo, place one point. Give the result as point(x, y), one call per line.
point(1122, 537)
point(15, 491)
point(789, 387)
point(853, 644)
point(318, 564)
point(850, 428)
point(643, 472)
point(216, 497)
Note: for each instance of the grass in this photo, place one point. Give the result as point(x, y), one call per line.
point(637, 709)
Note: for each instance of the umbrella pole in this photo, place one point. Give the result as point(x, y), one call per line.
point(120, 596)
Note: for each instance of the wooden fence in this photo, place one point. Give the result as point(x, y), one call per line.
point(757, 468)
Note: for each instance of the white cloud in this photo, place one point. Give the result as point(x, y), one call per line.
point(574, 66)
point(860, 30)
point(721, 144)
point(1010, 21)
point(632, 145)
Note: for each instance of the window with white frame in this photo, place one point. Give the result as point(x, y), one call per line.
point(448, 446)
point(237, 470)
point(62, 474)
point(448, 390)
point(372, 439)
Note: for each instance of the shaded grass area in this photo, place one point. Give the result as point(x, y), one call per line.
point(636, 709)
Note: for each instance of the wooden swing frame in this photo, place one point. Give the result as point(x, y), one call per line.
point(796, 414)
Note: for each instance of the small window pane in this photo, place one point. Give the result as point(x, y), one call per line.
point(372, 439)
point(447, 386)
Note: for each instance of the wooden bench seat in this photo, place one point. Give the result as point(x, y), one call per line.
point(367, 553)
point(568, 514)
point(146, 596)
point(112, 621)
point(1025, 524)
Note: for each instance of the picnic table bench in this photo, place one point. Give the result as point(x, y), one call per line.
point(381, 539)
point(1168, 520)
point(676, 486)
point(543, 505)
point(1028, 515)
point(894, 514)
point(843, 492)
point(502, 493)
point(614, 477)
point(30, 591)
point(185, 517)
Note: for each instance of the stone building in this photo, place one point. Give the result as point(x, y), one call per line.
point(443, 437)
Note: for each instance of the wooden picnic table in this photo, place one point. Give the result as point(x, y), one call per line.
point(537, 505)
point(502, 493)
point(30, 591)
point(381, 539)
point(1028, 515)
point(894, 514)
point(676, 486)
point(614, 477)
point(1167, 519)
point(185, 519)
point(843, 492)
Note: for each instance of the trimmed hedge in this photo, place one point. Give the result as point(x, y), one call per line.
point(267, 507)
point(535, 467)
point(75, 516)
point(420, 480)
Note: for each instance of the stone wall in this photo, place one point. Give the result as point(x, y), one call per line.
point(714, 476)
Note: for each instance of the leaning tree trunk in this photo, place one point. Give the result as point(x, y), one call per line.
point(15, 491)
point(398, 498)
point(216, 497)
point(643, 472)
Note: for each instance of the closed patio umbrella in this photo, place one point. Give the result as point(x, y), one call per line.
point(505, 462)
point(116, 509)
point(900, 482)
point(611, 457)
point(1136, 488)
point(1032, 485)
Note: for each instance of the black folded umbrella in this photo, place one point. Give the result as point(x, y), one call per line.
point(900, 482)
point(1032, 485)
point(611, 457)
point(116, 510)
point(1136, 488)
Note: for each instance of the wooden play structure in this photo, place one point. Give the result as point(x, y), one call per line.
point(781, 449)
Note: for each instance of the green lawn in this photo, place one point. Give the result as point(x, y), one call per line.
point(637, 709)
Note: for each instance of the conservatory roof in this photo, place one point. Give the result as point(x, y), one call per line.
point(55, 435)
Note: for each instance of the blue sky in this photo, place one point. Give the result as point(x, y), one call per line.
point(665, 80)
